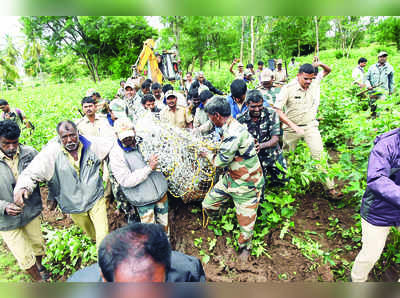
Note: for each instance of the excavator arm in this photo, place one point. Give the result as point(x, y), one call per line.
point(147, 56)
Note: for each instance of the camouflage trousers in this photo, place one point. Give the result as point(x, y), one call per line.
point(155, 213)
point(272, 174)
point(246, 201)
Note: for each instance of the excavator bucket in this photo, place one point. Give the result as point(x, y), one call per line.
point(168, 68)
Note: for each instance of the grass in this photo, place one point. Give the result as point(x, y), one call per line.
point(9, 269)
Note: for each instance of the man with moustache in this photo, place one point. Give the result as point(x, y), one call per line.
point(174, 114)
point(20, 225)
point(263, 124)
point(156, 90)
point(91, 124)
point(71, 166)
point(149, 103)
point(301, 100)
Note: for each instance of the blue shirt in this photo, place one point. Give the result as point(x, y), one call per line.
point(235, 111)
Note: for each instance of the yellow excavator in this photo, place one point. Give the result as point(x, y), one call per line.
point(159, 66)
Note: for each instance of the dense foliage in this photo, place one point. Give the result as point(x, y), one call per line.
point(106, 45)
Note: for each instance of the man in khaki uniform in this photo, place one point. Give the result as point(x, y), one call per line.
point(239, 74)
point(94, 126)
point(280, 74)
point(71, 165)
point(300, 99)
point(91, 124)
point(176, 115)
point(19, 225)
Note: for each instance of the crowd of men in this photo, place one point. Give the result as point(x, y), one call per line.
point(101, 149)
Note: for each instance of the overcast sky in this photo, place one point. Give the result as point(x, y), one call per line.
point(10, 25)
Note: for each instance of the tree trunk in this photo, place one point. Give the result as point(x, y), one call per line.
point(201, 62)
point(298, 48)
point(350, 46)
point(90, 68)
point(94, 67)
point(177, 35)
point(252, 39)
point(316, 35)
point(242, 39)
point(193, 62)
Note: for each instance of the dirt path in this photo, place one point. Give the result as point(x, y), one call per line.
point(318, 222)
point(287, 261)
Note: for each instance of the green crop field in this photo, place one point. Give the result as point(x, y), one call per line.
point(346, 127)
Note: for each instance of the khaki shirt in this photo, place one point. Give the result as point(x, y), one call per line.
point(12, 163)
point(180, 118)
point(200, 118)
point(280, 76)
point(99, 128)
point(300, 105)
point(76, 164)
point(238, 75)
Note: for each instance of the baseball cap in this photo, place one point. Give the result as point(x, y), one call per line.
point(118, 108)
point(129, 83)
point(124, 128)
point(383, 53)
point(90, 92)
point(279, 61)
point(171, 93)
point(266, 76)
point(240, 64)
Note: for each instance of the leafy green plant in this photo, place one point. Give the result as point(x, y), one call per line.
point(67, 250)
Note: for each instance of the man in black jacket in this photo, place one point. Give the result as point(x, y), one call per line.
point(202, 84)
point(140, 253)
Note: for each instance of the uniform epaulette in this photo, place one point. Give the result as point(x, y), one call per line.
point(78, 121)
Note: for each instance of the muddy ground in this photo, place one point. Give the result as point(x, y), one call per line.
point(285, 261)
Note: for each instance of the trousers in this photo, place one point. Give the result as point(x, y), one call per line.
point(313, 139)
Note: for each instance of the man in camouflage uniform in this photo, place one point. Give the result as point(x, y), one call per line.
point(263, 125)
point(243, 181)
point(268, 91)
point(137, 185)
